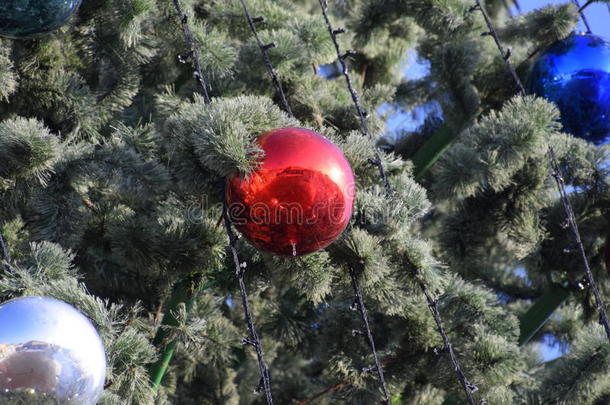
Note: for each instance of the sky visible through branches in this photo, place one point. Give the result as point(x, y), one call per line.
point(597, 15)
point(403, 121)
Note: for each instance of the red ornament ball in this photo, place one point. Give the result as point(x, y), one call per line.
point(301, 197)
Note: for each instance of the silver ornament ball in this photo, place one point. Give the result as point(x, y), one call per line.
point(48, 347)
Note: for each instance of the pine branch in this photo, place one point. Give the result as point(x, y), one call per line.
point(338, 386)
point(4, 254)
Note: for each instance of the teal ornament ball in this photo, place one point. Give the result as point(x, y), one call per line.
point(27, 18)
point(49, 348)
point(574, 73)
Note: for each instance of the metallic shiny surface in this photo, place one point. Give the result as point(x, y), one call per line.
point(301, 198)
point(26, 18)
point(575, 74)
point(47, 346)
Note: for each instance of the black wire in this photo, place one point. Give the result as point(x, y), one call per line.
point(254, 339)
point(468, 387)
point(356, 99)
point(4, 254)
point(264, 48)
point(188, 36)
point(582, 16)
point(377, 162)
point(432, 303)
point(505, 53)
point(517, 6)
point(369, 335)
point(558, 175)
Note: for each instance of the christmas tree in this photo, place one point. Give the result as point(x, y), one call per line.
point(475, 238)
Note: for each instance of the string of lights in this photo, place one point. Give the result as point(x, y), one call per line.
point(432, 302)
point(192, 53)
point(265, 54)
point(240, 267)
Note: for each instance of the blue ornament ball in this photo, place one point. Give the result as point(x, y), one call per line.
point(27, 18)
point(49, 348)
point(575, 74)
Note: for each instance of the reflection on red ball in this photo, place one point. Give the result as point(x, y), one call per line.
point(299, 200)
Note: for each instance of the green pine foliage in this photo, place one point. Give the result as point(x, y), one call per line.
point(112, 171)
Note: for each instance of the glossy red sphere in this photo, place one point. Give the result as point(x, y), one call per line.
point(299, 200)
